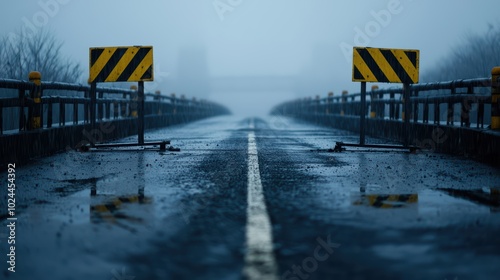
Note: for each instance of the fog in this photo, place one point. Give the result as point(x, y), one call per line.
point(251, 55)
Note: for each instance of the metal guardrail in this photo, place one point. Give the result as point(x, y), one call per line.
point(426, 103)
point(112, 103)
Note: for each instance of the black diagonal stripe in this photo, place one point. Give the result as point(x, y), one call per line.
point(125, 199)
point(412, 55)
point(396, 66)
point(94, 55)
point(357, 74)
point(372, 64)
point(111, 207)
point(148, 74)
point(379, 202)
point(404, 197)
point(138, 57)
point(110, 65)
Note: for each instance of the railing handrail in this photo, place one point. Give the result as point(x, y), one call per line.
point(379, 105)
point(121, 103)
point(479, 82)
point(26, 85)
point(414, 88)
point(15, 84)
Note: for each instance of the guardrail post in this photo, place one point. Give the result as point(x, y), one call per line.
point(495, 98)
point(116, 106)
point(415, 108)
point(100, 108)
point(398, 110)
point(86, 107)
point(182, 107)
point(303, 108)
point(406, 114)
point(62, 112)
point(466, 105)
point(317, 105)
point(22, 117)
point(140, 102)
point(123, 105)
point(35, 111)
point(108, 109)
point(49, 113)
point(343, 101)
point(373, 106)
point(425, 117)
point(174, 103)
point(93, 93)
point(158, 99)
point(437, 114)
point(392, 106)
point(382, 106)
point(75, 112)
point(362, 113)
point(133, 102)
point(196, 108)
point(451, 109)
point(329, 101)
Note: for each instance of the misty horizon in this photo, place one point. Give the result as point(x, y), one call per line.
point(275, 51)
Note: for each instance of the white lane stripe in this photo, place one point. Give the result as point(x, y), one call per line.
point(260, 262)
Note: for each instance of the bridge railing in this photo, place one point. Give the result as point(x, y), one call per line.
point(460, 102)
point(456, 117)
point(66, 104)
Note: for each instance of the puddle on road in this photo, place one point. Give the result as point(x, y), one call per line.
point(460, 201)
point(112, 211)
point(374, 206)
point(448, 200)
point(385, 201)
point(76, 185)
point(121, 201)
point(415, 252)
point(488, 197)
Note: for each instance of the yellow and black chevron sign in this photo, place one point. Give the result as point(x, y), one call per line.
point(387, 201)
point(121, 64)
point(385, 65)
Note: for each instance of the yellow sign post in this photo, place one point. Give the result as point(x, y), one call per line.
point(121, 64)
point(385, 66)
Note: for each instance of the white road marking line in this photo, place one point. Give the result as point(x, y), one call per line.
point(260, 262)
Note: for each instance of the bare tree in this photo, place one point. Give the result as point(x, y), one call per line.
point(22, 53)
point(473, 59)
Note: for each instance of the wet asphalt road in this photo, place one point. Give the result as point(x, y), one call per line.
point(126, 214)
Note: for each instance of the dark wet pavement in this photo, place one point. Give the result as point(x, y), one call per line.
point(359, 214)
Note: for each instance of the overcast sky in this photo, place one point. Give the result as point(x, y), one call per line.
point(310, 39)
